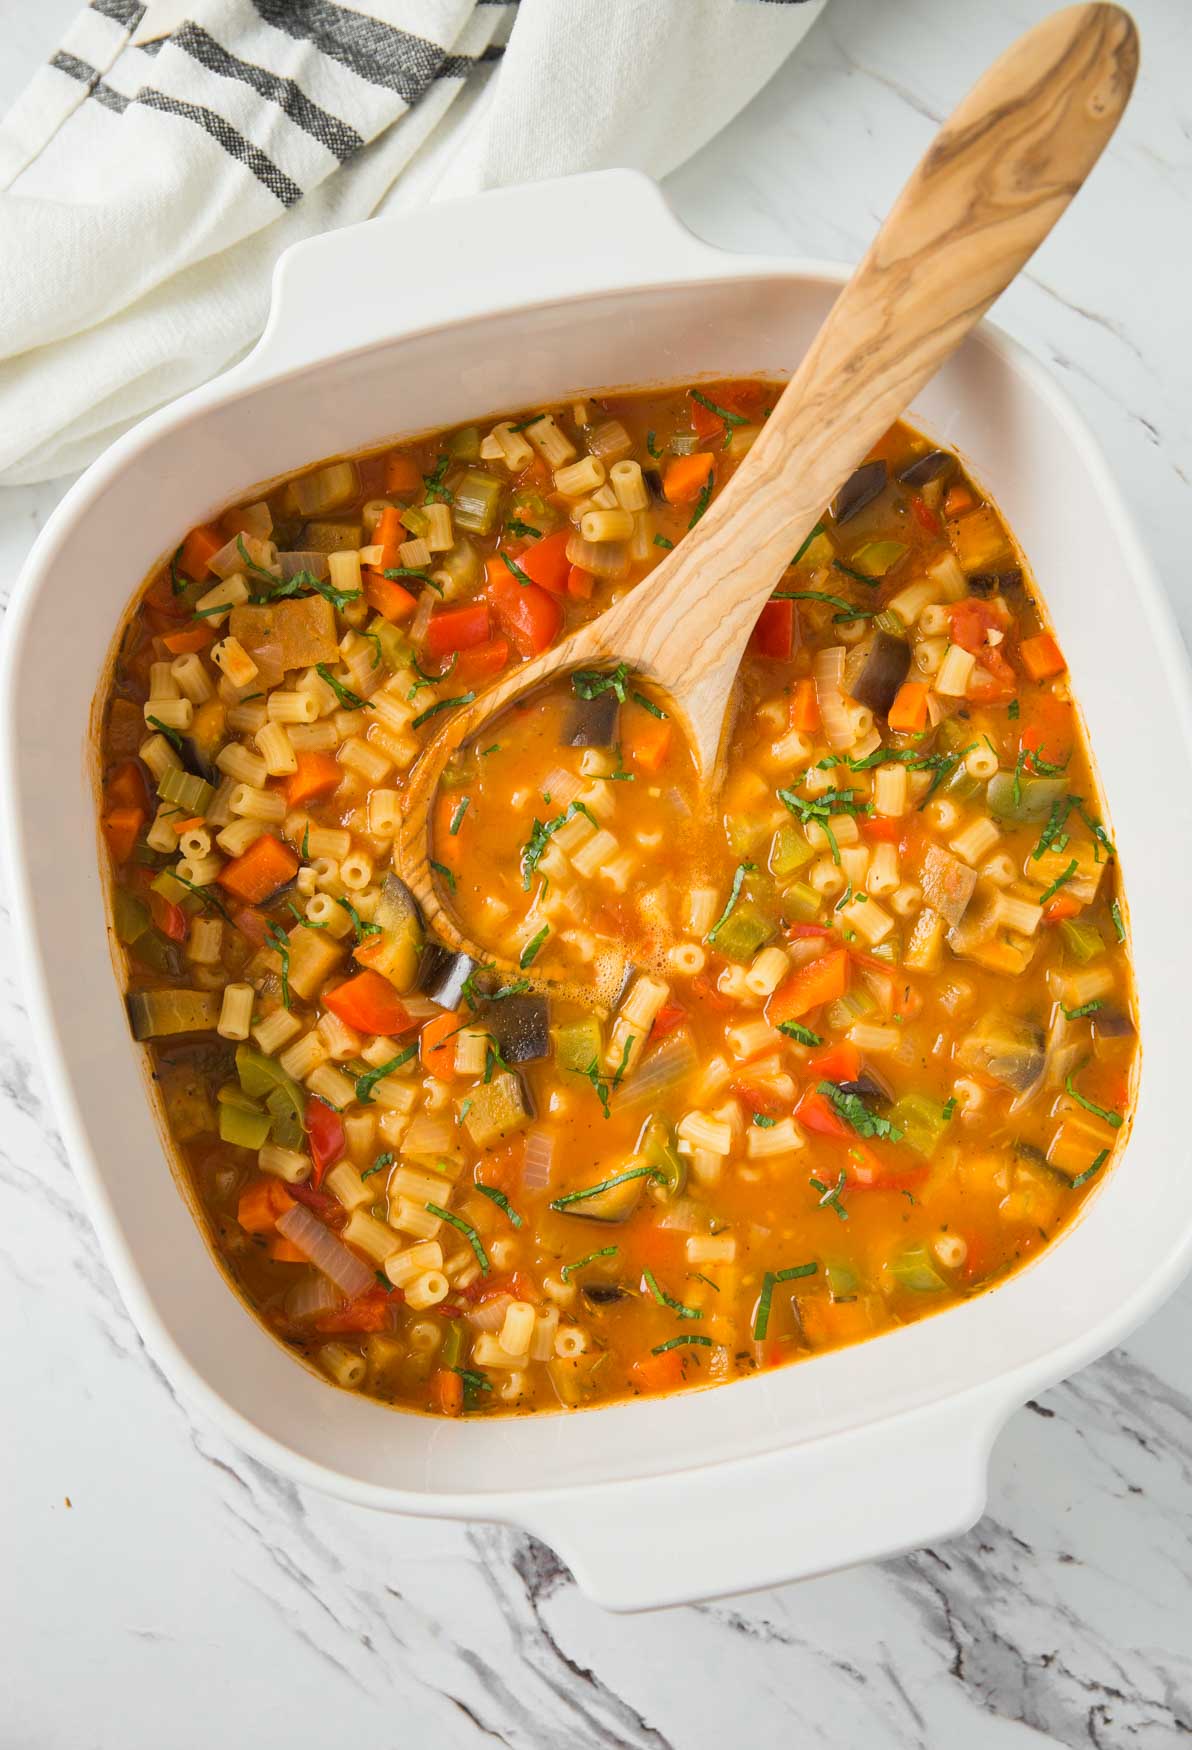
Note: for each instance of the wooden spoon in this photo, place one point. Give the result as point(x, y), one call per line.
point(998, 175)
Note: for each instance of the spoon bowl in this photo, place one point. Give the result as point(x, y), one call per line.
point(996, 178)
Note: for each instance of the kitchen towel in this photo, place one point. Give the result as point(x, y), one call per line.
point(154, 169)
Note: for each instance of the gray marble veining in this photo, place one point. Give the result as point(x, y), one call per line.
point(188, 1596)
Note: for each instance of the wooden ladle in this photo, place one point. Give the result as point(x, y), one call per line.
point(998, 175)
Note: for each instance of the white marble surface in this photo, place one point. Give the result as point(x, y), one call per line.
point(189, 1597)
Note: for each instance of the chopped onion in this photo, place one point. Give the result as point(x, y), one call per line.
point(490, 1315)
point(828, 671)
point(610, 440)
point(421, 620)
point(540, 1148)
point(601, 558)
point(256, 519)
point(429, 1136)
point(312, 1298)
point(562, 787)
point(670, 1064)
point(292, 563)
point(230, 559)
point(325, 1252)
point(685, 1216)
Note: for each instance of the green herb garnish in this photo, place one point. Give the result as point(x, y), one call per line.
point(652, 447)
point(366, 1083)
point(739, 875)
point(665, 1299)
point(609, 1185)
point(171, 735)
point(1115, 912)
point(830, 1195)
point(856, 1113)
point(834, 601)
point(502, 1202)
point(362, 929)
point(523, 531)
point(465, 1228)
point(441, 705)
point(604, 1252)
point(515, 568)
point(525, 424)
point(803, 1035)
point(680, 1342)
point(701, 503)
point(815, 534)
point(1113, 1119)
point(1061, 880)
point(590, 683)
point(442, 869)
point(382, 1161)
point(279, 942)
point(303, 919)
point(457, 819)
point(436, 492)
point(529, 953)
point(763, 1122)
point(1082, 1178)
point(412, 571)
point(765, 1299)
point(663, 542)
point(1080, 1013)
point(177, 584)
point(348, 699)
point(650, 706)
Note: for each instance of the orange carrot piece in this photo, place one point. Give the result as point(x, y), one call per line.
point(436, 1045)
point(198, 549)
point(388, 597)
point(120, 829)
point(821, 981)
point(124, 786)
point(318, 774)
point(686, 477)
point(388, 535)
point(1061, 907)
point(646, 738)
point(260, 871)
point(1041, 657)
point(284, 1251)
point(260, 1205)
point(957, 500)
point(368, 1002)
point(447, 1391)
point(659, 1372)
point(190, 638)
point(181, 826)
point(804, 713)
point(402, 475)
point(908, 713)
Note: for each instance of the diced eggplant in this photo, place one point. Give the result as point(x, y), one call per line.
point(195, 759)
point(627, 977)
point(1111, 1023)
point(987, 583)
point(156, 1014)
point(859, 490)
point(653, 480)
point(1028, 1152)
point(521, 1027)
point(928, 467)
point(444, 975)
point(869, 1085)
point(884, 671)
point(1009, 1048)
point(615, 1204)
point(606, 1293)
point(403, 934)
point(947, 884)
point(592, 722)
point(498, 1110)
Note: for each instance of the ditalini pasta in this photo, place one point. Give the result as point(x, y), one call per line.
point(740, 1084)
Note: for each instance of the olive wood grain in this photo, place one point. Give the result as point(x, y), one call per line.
point(998, 175)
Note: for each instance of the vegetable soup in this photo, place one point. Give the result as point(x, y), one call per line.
point(739, 1083)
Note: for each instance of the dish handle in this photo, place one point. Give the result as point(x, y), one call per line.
point(354, 288)
point(854, 1497)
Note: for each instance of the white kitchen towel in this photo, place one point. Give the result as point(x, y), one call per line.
point(149, 182)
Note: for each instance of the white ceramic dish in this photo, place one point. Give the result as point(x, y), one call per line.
point(842, 1458)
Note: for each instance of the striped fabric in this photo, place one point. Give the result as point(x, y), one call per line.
point(148, 183)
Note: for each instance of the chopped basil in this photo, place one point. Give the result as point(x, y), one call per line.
point(302, 919)
point(624, 1063)
point(665, 1299)
point(739, 875)
point(650, 706)
point(436, 492)
point(1113, 1119)
point(830, 1195)
point(680, 1342)
point(530, 952)
point(763, 1122)
point(362, 929)
point(1082, 1178)
point(348, 699)
point(835, 601)
point(465, 1228)
point(815, 534)
point(609, 1185)
point(1080, 1013)
point(857, 576)
point(590, 683)
point(177, 584)
point(525, 424)
point(652, 447)
point(604, 1252)
point(306, 843)
point(382, 1161)
point(856, 1113)
point(457, 819)
point(279, 942)
point(803, 1035)
point(441, 705)
point(523, 531)
point(1012, 710)
point(765, 1300)
point(540, 837)
point(412, 571)
point(171, 735)
point(1061, 880)
point(366, 1083)
point(515, 568)
point(1115, 912)
point(662, 541)
point(502, 1202)
point(701, 503)
point(206, 896)
point(444, 871)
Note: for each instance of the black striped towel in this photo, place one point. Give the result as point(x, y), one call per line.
point(154, 169)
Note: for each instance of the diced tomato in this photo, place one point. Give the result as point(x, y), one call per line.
point(796, 932)
point(669, 1016)
point(370, 1312)
point(878, 831)
point(759, 1099)
point(579, 583)
point(452, 629)
point(838, 1063)
point(530, 617)
point(821, 981)
point(657, 1248)
point(546, 562)
point(804, 711)
point(1047, 730)
point(993, 681)
point(971, 622)
point(329, 1211)
point(744, 399)
point(659, 1372)
point(518, 1283)
point(251, 923)
point(369, 1003)
point(482, 661)
point(816, 1113)
point(501, 1168)
point(774, 634)
point(447, 1390)
point(925, 516)
point(388, 597)
point(708, 993)
point(328, 1140)
point(169, 918)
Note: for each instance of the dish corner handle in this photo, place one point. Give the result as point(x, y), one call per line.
point(850, 1498)
point(607, 229)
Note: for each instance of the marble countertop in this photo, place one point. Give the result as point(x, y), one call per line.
point(158, 1587)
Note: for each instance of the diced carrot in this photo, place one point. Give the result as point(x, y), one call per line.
point(659, 1372)
point(198, 549)
point(388, 597)
point(181, 826)
point(828, 1322)
point(957, 500)
point(368, 1002)
point(261, 1203)
point(452, 629)
point(579, 584)
point(120, 829)
point(125, 787)
point(820, 981)
point(260, 871)
point(659, 1248)
point(546, 562)
point(402, 475)
point(482, 661)
point(501, 1168)
point(908, 713)
point(1061, 907)
point(839, 1063)
point(284, 1251)
point(447, 1391)
point(804, 714)
point(190, 638)
point(531, 618)
point(388, 536)
point(645, 738)
point(318, 774)
point(878, 831)
point(686, 477)
point(1047, 731)
point(1041, 657)
point(436, 1045)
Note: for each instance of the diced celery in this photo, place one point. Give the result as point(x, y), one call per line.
point(464, 446)
point(577, 1043)
point(875, 558)
point(1082, 940)
point(395, 646)
point(415, 520)
point(842, 1279)
point(913, 1269)
point(477, 498)
point(455, 1344)
point(285, 1121)
point(789, 851)
point(1034, 800)
point(658, 1148)
point(744, 931)
point(743, 833)
point(168, 885)
point(190, 792)
point(158, 953)
point(889, 621)
point(263, 1079)
point(801, 903)
point(130, 915)
point(921, 1121)
point(818, 551)
point(243, 1126)
point(962, 784)
point(531, 508)
point(845, 1010)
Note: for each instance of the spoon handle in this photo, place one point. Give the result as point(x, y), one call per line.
point(998, 175)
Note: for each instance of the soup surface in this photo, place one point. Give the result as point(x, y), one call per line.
point(736, 1086)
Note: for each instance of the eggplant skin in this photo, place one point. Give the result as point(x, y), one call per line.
point(859, 490)
point(444, 974)
point(592, 722)
point(521, 1027)
point(928, 467)
point(886, 667)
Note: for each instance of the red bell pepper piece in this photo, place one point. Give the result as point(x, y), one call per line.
point(328, 1140)
point(530, 617)
point(546, 562)
point(774, 634)
point(452, 629)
